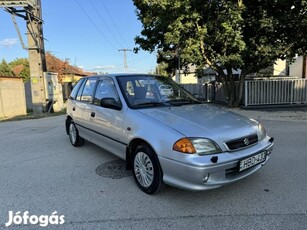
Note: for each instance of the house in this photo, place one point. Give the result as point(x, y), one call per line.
point(67, 74)
point(188, 77)
point(299, 67)
point(281, 68)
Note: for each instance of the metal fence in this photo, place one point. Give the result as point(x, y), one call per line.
point(257, 91)
point(275, 92)
point(205, 92)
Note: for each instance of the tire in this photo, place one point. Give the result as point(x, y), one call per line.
point(147, 171)
point(73, 134)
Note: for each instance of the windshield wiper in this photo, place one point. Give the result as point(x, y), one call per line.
point(182, 102)
point(149, 104)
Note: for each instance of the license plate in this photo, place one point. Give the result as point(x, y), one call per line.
point(252, 161)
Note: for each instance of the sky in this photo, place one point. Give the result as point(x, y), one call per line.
point(88, 33)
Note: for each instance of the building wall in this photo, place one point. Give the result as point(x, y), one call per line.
point(12, 97)
point(280, 68)
point(185, 79)
point(296, 68)
point(188, 79)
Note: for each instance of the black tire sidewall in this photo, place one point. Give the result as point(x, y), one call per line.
point(79, 141)
point(157, 180)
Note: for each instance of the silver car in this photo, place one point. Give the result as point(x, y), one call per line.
point(165, 138)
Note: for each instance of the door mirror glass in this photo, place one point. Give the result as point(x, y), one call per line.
point(111, 103)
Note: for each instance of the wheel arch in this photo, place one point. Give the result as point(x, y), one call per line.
point(130, 149)
point(67, 122)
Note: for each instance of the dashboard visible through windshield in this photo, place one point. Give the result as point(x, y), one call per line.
point(150, 91)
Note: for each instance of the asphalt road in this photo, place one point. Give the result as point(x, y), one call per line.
point(42, 173)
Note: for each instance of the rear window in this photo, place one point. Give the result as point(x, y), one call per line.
point(75, 90)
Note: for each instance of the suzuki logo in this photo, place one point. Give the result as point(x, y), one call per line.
point(246, 141)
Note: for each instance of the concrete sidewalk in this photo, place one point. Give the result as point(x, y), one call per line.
point(276, 114)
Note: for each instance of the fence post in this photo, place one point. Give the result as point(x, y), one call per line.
point(292, 92)
point(245, 93)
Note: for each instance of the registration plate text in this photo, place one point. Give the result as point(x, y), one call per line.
point(252, 161)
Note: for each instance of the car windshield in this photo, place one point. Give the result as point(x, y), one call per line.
point(142, 91)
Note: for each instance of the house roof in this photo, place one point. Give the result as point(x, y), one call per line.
point(61, 67)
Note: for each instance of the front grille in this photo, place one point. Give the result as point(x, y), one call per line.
point(242, 142)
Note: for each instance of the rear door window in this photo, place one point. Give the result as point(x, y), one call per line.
point(75, 90)
point(86, 91)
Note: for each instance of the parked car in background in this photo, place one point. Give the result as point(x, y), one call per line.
point(163, 133)
point(166, 90)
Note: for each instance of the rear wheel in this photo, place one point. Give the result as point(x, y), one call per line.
point(74, 137)
point(146, 169)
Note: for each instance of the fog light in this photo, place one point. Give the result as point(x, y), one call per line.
point(206, 178)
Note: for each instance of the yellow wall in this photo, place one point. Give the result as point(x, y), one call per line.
point(280, 67)
point(70, 78)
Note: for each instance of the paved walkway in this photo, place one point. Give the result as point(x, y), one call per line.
point(279, 114)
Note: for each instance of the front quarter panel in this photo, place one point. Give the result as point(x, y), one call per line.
point(158, 135)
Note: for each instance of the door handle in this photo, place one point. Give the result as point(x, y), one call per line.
point(92, 114)
point(73, 108)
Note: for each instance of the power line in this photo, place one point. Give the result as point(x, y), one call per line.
point(139, 60)
point(93, 22)
point(125, 57)
point(115, 26)
point(106, 25)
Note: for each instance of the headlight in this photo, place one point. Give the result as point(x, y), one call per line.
point(201, 146)
point(261, 132)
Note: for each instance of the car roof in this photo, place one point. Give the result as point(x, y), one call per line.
point(122, 75)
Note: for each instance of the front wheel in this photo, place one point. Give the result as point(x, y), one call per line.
point(146, 169)
point(74, 137)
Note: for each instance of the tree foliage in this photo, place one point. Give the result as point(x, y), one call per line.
point(5, 69)
point(225, 35)
point(18, 68)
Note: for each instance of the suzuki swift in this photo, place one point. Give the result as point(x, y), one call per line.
point(169, 138)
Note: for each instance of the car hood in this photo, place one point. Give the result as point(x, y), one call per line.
point(203, 120)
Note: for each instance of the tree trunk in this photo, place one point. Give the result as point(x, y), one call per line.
point(225, 85)
point(232, 87)
point(241, 89)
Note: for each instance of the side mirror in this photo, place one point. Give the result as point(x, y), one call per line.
point(110, 103)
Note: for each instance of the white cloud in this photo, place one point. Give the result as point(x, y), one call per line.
point(8, 42)
point(105, 67)
point(113, 69)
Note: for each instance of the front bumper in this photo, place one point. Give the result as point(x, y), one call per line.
point(205, 175)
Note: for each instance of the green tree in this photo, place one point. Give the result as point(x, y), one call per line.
point(21, 68)
point(225, 35)
point(162, 69)
point(5, 69)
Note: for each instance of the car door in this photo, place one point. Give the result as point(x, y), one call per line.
point(107, 123)
point(81, 107)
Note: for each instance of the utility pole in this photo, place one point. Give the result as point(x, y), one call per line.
point(125, 57)
point(31, 12)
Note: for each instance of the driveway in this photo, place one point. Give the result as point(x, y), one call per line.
point(43, 174)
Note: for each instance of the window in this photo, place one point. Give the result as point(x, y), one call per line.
point(105, 89)
point(86, 91)
point(75, 90)
point(78, 97)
